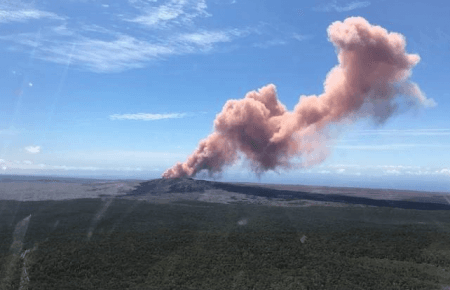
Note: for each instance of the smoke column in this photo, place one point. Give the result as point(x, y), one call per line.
point(373, 71)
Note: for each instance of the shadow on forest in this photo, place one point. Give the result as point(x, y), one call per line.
point(277, 193)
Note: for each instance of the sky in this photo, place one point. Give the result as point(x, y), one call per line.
point(126, 89)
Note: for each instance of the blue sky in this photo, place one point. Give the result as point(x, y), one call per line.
point(126, 89)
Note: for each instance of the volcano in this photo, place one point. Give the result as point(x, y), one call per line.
point(176, 188)
point(172, 185)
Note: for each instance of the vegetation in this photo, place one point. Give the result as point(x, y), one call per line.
point(195, 245)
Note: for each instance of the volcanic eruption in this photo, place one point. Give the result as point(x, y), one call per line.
point(372, 73)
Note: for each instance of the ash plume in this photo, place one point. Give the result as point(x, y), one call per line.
point(372, 73)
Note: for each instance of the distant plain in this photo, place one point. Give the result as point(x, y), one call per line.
point(196, 234)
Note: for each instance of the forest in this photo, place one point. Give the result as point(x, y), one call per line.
point(198, 245)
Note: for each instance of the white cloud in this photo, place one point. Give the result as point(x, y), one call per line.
point(392, 172)
point(77, 43)
point(2, 161)
point(33, 149)
point(97, 28)
point(344, 166)
point(24, 15)
point(127, 169)
point(420, 172)
point(355, 169)
point(62, 30)
point(387, 146)
point(29, 165)
point(444, 171)
point(25, 39)
point(64, 167)
point(270, 43)
point(397, 167)
point(324, 172)
point(123, 52)
point(93, 168)
point(105, 56)
point(120, 158)
point(300, 37)
point(147, 117)
point(408, 132)
point(161, 13)
point(205, 38)
point(224, 2)
point(350, 6)
point(173, 12)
